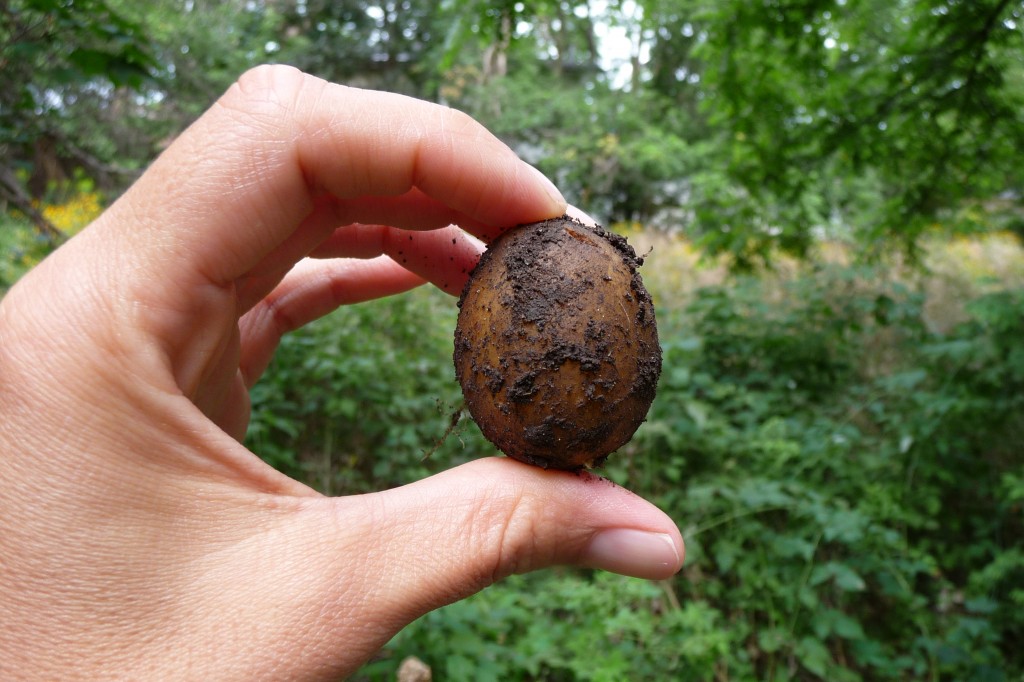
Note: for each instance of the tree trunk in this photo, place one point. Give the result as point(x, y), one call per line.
point(496, 55)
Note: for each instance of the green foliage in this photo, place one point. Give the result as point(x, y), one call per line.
point(603, 628)
point(47, 44)
point(357, 402)
point(57, 57)
point(21, 247)
point(391, 46)
point(848, 470)
point(849, 483)
point(754, 126)
point(827, 495)
point(921, 97)
point(596, 142)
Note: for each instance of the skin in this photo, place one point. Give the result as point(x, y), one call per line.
point(141, 539)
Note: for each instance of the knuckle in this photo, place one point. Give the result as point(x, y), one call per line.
point(267, 90)
point(460, 121)
point(508, 535)
point(456, 127)
point(517, 547)
point(268, 79)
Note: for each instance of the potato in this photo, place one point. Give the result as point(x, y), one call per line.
point(556, 347)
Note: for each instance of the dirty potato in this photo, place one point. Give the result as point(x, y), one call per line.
point(556, 346)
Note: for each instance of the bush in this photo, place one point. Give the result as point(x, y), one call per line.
point(21, 247)
point(851, 515)
point(602, 627)
point(847, 473)
point(355, 402)
point(848, 480)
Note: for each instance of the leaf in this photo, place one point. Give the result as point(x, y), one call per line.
point(771, 640)
point(848, 580)
point(89, 61)
point(698, 412)
point(813, 655)
point(981, 605)
point(828, 622)
point(844, 526)
point(844, 577)
point(791, 546)
point(725, 556)
point(847, 627)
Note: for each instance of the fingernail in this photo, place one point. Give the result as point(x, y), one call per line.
point(579, 215)
point(549, 187)
point(636, 553)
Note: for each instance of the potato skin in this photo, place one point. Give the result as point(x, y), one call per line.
point(556, 346)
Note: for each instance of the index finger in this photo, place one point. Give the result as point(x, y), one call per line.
point(238, 184)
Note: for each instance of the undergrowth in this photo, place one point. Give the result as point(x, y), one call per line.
point(846, 468)
point(842, 446)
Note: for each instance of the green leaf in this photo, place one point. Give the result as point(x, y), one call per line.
point(813, 655)
point(981, 605)
point(772, 640)
point(828, 622)
point(844, 577)
point(847, 579)
point(90, 62)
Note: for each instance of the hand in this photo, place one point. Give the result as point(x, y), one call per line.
point(141, 539)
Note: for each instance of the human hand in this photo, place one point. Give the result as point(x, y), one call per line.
point(141, 539)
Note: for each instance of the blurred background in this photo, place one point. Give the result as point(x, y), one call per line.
point(831, 196)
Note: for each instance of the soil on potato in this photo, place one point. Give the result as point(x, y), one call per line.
point(556, 347)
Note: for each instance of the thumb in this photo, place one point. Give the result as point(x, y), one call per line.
point(469, 527)
point(444, 538)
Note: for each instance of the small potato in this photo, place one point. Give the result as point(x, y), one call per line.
point(556, 346)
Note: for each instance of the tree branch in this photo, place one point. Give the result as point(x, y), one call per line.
point(11, 191)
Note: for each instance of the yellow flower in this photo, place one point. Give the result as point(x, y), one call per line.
point(76, 213)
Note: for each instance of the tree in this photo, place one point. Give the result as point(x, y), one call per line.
point(52, 55)
point(813, 101)
point(391, 45)
point(753, 126)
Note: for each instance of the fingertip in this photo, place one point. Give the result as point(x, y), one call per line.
point(579, 215)
point(557, 203)
point(555, 517)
